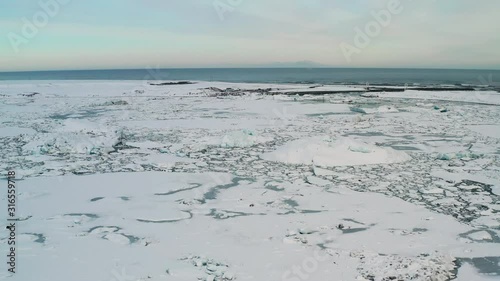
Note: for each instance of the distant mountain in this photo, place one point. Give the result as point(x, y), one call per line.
point(301, 64)
point(295, 64)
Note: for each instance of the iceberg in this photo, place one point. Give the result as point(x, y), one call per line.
point(326, 151)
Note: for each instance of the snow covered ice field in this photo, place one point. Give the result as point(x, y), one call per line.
point(125, 181)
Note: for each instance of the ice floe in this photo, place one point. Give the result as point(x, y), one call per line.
point(227, 181)
point(328, 152)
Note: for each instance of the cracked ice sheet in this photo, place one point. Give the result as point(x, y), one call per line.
point(459, 175)
point(417, 130)
point(250, 114)
point(139, 223)
point(101, 88)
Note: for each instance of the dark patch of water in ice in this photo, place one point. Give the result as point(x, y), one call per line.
point(353, 220)
point(92, 216)
point(194, 186)
point(221, 112)
point(441, 137)
point(224, 214)
point(274, 188)
point(22, 218)
point(311, 211)
point(96, 199)
point(312, 115)
point(286, 213)
point(402, 147)
point(115, 228)
point(91, 113)
point(485, 265)
point(132, 239)
point(353, 230)
point(40, 238)
point(269, 185)
point(494, 237)
point(212, 193)
point(367, 134)
point(290, 202)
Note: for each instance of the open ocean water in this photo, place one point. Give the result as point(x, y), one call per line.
point(373, 76)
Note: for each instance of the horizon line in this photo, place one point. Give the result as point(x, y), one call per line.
point(249, 67)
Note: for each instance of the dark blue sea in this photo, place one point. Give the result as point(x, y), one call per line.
point(373, 76)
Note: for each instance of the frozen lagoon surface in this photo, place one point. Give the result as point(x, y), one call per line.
point(127, 181)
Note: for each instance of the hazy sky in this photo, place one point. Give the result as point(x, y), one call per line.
point(94, 34)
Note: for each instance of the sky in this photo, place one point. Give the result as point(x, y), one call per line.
point(121, 34)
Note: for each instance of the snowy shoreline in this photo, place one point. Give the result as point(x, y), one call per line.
point(217, 181)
